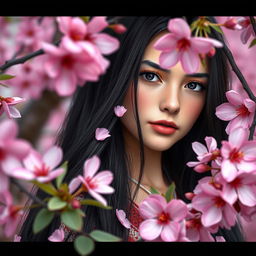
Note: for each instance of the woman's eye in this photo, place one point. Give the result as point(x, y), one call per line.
point(150, 76)
point(195, 86)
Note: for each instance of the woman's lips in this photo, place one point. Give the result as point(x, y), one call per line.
point(164, 127)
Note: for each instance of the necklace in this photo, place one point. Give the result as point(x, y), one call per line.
point(141, 186)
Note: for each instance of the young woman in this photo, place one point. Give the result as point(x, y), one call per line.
point(141, 151)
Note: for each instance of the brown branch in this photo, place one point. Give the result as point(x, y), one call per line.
point(253, 24)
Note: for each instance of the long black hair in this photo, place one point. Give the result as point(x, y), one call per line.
point(92, 107)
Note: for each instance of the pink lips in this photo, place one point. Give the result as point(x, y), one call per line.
point(164, 127)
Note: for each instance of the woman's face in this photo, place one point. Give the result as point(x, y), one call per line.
point(169, 102)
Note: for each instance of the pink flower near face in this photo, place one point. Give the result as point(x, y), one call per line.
point(162, 220)
point(7, 105)
point(238, 154)
point(57, 236)
point(95, 184)
point(215, 210)
point(9, 214)
point(239, 111)
point(40, 168)
point(179, 45)
point(122, 218)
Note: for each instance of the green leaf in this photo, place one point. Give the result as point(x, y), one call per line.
point(154, 191)
point(217, 28)
point(101, 236)
point(46, 187)
point(253, 42)
point(94, 203)
point(42, 220)
point(61, 177)
point(72, 219)
point(55, 203)
point(84, 245)
point(169, 195)
point(6, 77)
point(4, 85)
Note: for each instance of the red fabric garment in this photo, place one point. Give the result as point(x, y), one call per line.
point(135, 220)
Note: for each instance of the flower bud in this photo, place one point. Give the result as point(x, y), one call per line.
point(75, 204)
point(232, 24)
point(202, 168)
point(211, 52)
point(118, 28)
point(189, 195)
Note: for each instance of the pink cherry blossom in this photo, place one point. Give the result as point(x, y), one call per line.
point(238, 154)
point(94, 184)
point(77, 33)
point(162, 220)
point(239, 111)
point(7, 105)
point(205, 154)
point(120, 111)
point(57, 236)
point(196, 231)
point(40, 167)
point(242, 188)
point(9, 214)
point(247, 29)
point(220, 239)
point(121, 215)
point(215, 210)
point(16, 238)
point(179, 45)
point(68, 69)
point(12, 150)
point(102, 133)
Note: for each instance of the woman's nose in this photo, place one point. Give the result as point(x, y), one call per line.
point(170, 101)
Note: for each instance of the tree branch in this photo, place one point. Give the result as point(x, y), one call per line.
point(253, 24)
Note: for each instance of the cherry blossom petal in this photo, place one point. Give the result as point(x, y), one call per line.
point(70, 45)
point(121, 215)
point(238, 137)
point(104, 189)
point(226, 112)
point(13, 112)
point(4, 182)
point(54, 174)
point(199, 148)
point(229, 215)
point(103, 177)
point(97, 24)
point(177, 209)
point(150, 229)
point(229, 194)
point(247, 195)
point(53, 157)
point(97, 196)
point(234, 98)
point(205, 235)
point(190, 61)
point(150, 208)
point(119, 111)
point(91, 166)
point(228, 170)
point(166, 43)
point(64, 24)
point(170, 232)
point(19, 148)
point(9, 130)
point(211, 143)
point(33, 160)
point(22, 173)
point(102, 134)
point(65, 84)
point(106, 43)
point(199, 45)
point(211, 216)
point(249, 150)
point(57, 236)
point(169, 59)
point(201, 202)
point(250, 105)
point(179, 27)
point(74, 184)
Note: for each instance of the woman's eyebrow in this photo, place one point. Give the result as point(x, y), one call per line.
point(157, 66)
point(154, 65)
